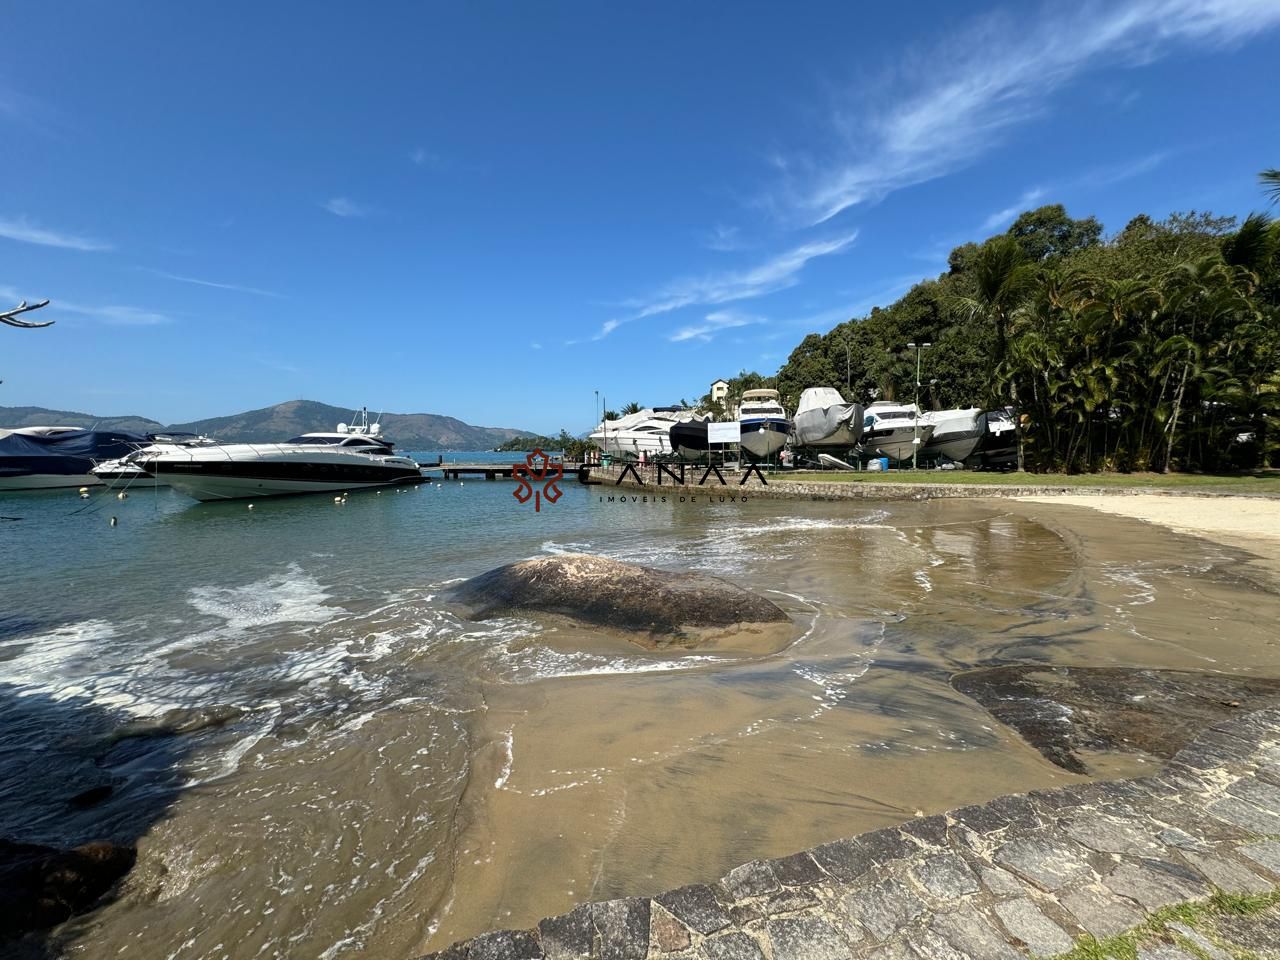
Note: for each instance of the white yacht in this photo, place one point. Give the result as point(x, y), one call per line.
point(126, 471)
point(891, 429)
point(354, 457)
point(763, 423)
point(823, 419)
point(956, 433)
point(646, 432)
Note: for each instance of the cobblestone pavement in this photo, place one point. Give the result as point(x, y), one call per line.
point(1020, 876)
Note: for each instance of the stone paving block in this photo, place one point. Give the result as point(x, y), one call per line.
point(1163, 951)
point(752, 879)
point(1048, 861)
point(927, 945)
point(569, 935)
point(980, 818)
point(1023, 920)
point(973, 935)
point(893, 951)
point(666, 933)
point(1244, 814)
point(788, 901)
point(796, 870)
point(1017, 811)
point(697, 907)
point(1267, 854)
point(1260, 794)
point(1200, 942)
point(806, 938)
point(1001, 882)
point(846, 860)
point(883, 907)
point(929, 830)
point(1226, 873)
point(505, 945)
point(946, 876)
point(1258, 932)
point(623, 928)
point(1108, 836)
point(887, 845)
point(1173, 837)
point(1155, 883)
point(1100, 912)
point(731, 946)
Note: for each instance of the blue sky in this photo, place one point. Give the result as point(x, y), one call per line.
point(432, 207)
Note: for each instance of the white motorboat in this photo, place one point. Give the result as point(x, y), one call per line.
point(46, 458)
point(956, 433)
point(892, 429)
point(763, 423)
point(352, 458)
point(823, 419)
point(646, 432)
point(126, 471)
point(998, 446)
point(834, 463)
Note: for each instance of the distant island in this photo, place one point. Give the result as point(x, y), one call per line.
point(409, 431)
point(571, 446)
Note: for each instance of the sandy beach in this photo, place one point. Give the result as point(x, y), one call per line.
point(1248, 523)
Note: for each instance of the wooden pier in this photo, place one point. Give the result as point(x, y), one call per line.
point(495, 471)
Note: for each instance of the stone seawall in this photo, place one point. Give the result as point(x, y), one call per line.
point(611, 478)
point(1021, 876)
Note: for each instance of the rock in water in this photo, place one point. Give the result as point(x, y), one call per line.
point(687, 609)
point(41, 886)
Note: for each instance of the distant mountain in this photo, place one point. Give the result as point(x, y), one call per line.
point(409, 431)
point(43, 417)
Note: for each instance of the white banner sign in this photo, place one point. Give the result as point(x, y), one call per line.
point(724, 432)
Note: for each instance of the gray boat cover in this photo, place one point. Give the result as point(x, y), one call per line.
point(67, 454)
point(822, 413)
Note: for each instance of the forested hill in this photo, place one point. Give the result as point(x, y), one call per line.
point(409, 431)
point(1156, 347)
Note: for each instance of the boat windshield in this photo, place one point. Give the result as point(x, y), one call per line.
point(316, 440)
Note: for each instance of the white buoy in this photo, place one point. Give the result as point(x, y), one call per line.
point(251, 506)
point(84, 496)
point(337, 499)
point(84, 489)
point(114, 521)
point(122, 495)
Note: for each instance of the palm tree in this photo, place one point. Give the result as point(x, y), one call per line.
point(631, 408)
point(1270, 180)
point(1003, 281)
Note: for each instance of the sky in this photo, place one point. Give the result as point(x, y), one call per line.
point(498, 210)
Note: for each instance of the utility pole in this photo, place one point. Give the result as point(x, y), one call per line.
point(915, 452)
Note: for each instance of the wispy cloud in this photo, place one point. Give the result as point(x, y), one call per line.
point(777, 273)
point(963, 97)
point(346, 207)
point(824, 320)
point(24, 231)
point(116, 315)
point(210, 283)
point(714, 323)
point(1024, 202)
point(724, 239)
point(422, 157)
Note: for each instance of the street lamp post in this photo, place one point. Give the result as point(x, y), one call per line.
point(915, 444)
point(597, 411)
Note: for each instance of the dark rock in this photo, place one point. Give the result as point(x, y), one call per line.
point(731, 946)
point(752, 879)
point(1156, 883)
point(846, 860)
point(973, 935)
point(883, 907)
point(1059, 710)
point(1024, 920)
point(614, 594)
point(929, 830)
point(697, 907)
point(505, 945)
point(946, 876)
point(623, 926)
point(796, 870)
point(1044, 860)
point(91, 797)
point(42, 886)
point(666, 933)
point(569, 935)
point(1100, 914)
point(806, 938)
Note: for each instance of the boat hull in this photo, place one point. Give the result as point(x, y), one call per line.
point(48, 481)
point(761, 439)
point(897, 443)
point(837, 426)
point(207, 486)
point(689, 440)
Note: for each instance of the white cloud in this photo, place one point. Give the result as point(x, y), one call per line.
point(210, 283)
point(1024, 202)
point(777, 273)
point(964, 96)
point(115, 315)
point(724, 239)
point(713, 323)
point(24, 231)
point(346, 207)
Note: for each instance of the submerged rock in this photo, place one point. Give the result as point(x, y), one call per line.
point(666, 606)
point(1063, 710)
point(42, 886)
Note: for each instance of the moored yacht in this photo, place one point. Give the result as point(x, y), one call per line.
point(43, 458)
point(646, 432)
point(956, 433)
point(126, 471)
point(763, 423)
point(823, 419)
point(891, 430)
point(352, 458)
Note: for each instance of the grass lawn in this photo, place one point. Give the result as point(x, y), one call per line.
point(1268, 482)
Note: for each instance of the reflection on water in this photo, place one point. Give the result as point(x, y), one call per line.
point(347, 765)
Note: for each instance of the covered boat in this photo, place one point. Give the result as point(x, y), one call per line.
point(823, 419)
point(41, 458)
point(956, 433)
point(893, 430)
